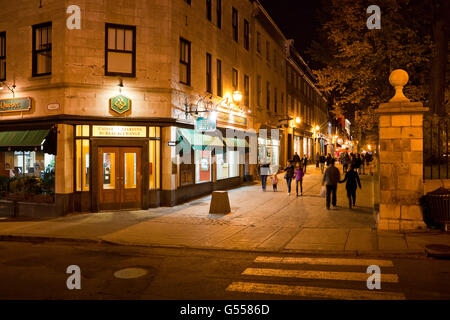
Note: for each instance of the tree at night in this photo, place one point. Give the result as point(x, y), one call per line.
point(355, 62)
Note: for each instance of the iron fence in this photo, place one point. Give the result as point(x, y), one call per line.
point(436, 148)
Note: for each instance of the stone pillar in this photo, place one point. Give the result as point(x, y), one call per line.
point(401, 159)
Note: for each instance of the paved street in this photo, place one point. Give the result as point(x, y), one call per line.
point(38, 271)
point(259, 221)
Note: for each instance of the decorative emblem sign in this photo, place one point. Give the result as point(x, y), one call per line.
point(120, 104)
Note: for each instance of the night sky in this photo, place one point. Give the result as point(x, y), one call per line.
point(297, 19)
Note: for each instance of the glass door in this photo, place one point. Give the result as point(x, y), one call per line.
point(119, 178)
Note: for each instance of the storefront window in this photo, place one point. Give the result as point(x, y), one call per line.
point(154, 166)
point(27, 173)
point(233, 163)
point(202, 162)
point(82, 163)
point(222, 166)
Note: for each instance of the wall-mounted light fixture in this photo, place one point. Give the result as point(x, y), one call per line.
point(12, 88)
point(120, 85)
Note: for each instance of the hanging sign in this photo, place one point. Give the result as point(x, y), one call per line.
point(15, 105)
point(120, 104)
point(205, 124)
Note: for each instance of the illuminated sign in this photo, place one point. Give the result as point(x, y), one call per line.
point(120, 104)
point(205, 124)
point(15, 105)
point(119, 131)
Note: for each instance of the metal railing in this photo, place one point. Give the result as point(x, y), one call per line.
point(436, 147)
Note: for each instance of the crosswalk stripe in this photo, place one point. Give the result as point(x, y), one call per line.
point(313, 292)
point(310, 274)
point(325, 261)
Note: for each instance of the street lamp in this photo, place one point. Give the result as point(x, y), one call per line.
point(298, 120)
point(237, 96)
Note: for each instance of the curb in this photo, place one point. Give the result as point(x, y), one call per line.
point(352, 253)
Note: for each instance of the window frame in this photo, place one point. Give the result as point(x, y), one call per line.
point(246, 90)
point(219, 78)
point(267, 95)
point(258, 42)
point(209, 73)
point(219, 13)
point(132, 52)
point(235, 79)
point(36, 52)
point(209, 10)
point(188, 63)
point(3, 53)
point(246, 35)
point(235, 24)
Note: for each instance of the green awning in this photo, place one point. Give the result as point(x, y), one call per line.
point(235, 142)
point(23, 139)
point(200, 141)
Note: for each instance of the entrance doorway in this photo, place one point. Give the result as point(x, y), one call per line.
point(119, 178)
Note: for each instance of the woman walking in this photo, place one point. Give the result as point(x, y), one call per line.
point(352, 178)
point(289, 175)
point(299, 179)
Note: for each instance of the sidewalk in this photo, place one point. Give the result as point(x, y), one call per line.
point(259, 221)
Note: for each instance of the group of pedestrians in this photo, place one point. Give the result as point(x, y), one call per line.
point(296, 168)
point(332, 177)
point(360, 162)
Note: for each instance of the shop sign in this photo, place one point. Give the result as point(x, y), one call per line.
point(120, 104)
point(15, 105)
point(119, 131)
point(205, 124)
point(53, 106)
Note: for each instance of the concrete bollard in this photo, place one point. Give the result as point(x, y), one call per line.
point(220, 202)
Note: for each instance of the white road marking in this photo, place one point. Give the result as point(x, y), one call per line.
point(313, 292)
point(310, 274)
point(325, 261)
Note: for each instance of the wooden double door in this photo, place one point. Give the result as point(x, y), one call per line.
point(119, 178)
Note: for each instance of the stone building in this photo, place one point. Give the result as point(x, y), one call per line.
point(131, 110)
point(306, 106)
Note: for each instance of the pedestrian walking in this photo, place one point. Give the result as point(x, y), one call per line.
point(322, 161)
point(264, 170)
point(289, 175)
point(274, 178)
point(331, 179)
point(363, 163)
point(346, 162)
point(317, 159)
point(353, 182)
point(299, 179)
point(369, 159)
point(305, 163)
point(296, 158)
point(329, 160)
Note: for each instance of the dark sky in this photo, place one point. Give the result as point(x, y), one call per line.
point(297, 19)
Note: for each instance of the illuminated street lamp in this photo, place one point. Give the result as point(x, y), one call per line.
point(317, 128)
point(237, 96)
point(298, 120)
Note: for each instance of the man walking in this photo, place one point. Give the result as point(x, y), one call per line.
point(264, 172)
point(331, 179)
point(322, 163)
point(305, 163)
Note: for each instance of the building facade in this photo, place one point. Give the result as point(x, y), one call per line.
point(149, 103)
point(306, 106)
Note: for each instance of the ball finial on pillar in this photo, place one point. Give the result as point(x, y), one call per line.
point(398, 79)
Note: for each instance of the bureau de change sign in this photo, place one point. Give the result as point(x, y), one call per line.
point(15, 105)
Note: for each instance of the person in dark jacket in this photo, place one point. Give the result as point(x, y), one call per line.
point(264, 172)
point(353, 182)
point(322, 162)
point(304, 163)
point(331, 179)
point(296, 158)
point(289, 175)
point(329, 160)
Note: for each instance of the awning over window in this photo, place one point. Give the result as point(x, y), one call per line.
point(200, 141)
point(23, 140)
point(235, 142)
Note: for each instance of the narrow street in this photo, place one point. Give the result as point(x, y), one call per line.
point(38, 271)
